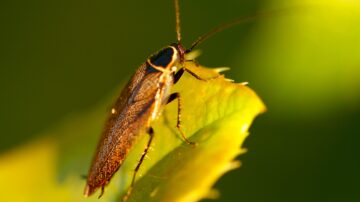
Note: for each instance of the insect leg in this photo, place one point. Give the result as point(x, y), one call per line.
point(178, 75)
point(198, 77)
point(102, 191)
point(149, 131)
point(178, 125)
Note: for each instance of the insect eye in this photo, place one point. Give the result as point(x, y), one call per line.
point(163, 58)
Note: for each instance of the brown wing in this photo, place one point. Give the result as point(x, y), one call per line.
point(131, 112)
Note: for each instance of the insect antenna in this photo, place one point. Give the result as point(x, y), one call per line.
point(237, 21)
point(177, 13)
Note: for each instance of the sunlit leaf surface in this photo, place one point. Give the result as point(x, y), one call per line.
point(216, 114)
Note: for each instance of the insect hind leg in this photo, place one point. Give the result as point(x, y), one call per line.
point(102, 191)
point(177, 96)
point(150, 132)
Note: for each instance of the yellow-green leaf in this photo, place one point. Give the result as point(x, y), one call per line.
point(216, 114)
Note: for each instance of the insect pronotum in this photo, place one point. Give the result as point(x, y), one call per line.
point(139, 104)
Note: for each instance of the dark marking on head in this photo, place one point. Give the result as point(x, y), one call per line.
point(150, 69)
point(163, 58)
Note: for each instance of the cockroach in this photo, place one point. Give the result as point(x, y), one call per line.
point(139, 104)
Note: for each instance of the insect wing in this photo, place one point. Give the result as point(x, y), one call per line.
point(129, 115)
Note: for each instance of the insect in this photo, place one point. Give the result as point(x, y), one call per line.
point(139, 104)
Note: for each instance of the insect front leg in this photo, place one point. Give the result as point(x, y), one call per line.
point(150, 132)
point(178, 75)
point(178, 125)
point(199, 77)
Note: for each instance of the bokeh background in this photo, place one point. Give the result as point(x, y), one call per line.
point(59, 58)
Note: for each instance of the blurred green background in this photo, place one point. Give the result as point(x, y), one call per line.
point(63, 57)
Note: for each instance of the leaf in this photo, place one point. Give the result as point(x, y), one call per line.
point(216, 114)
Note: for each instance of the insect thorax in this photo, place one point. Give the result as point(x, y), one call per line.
point(166, 59)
